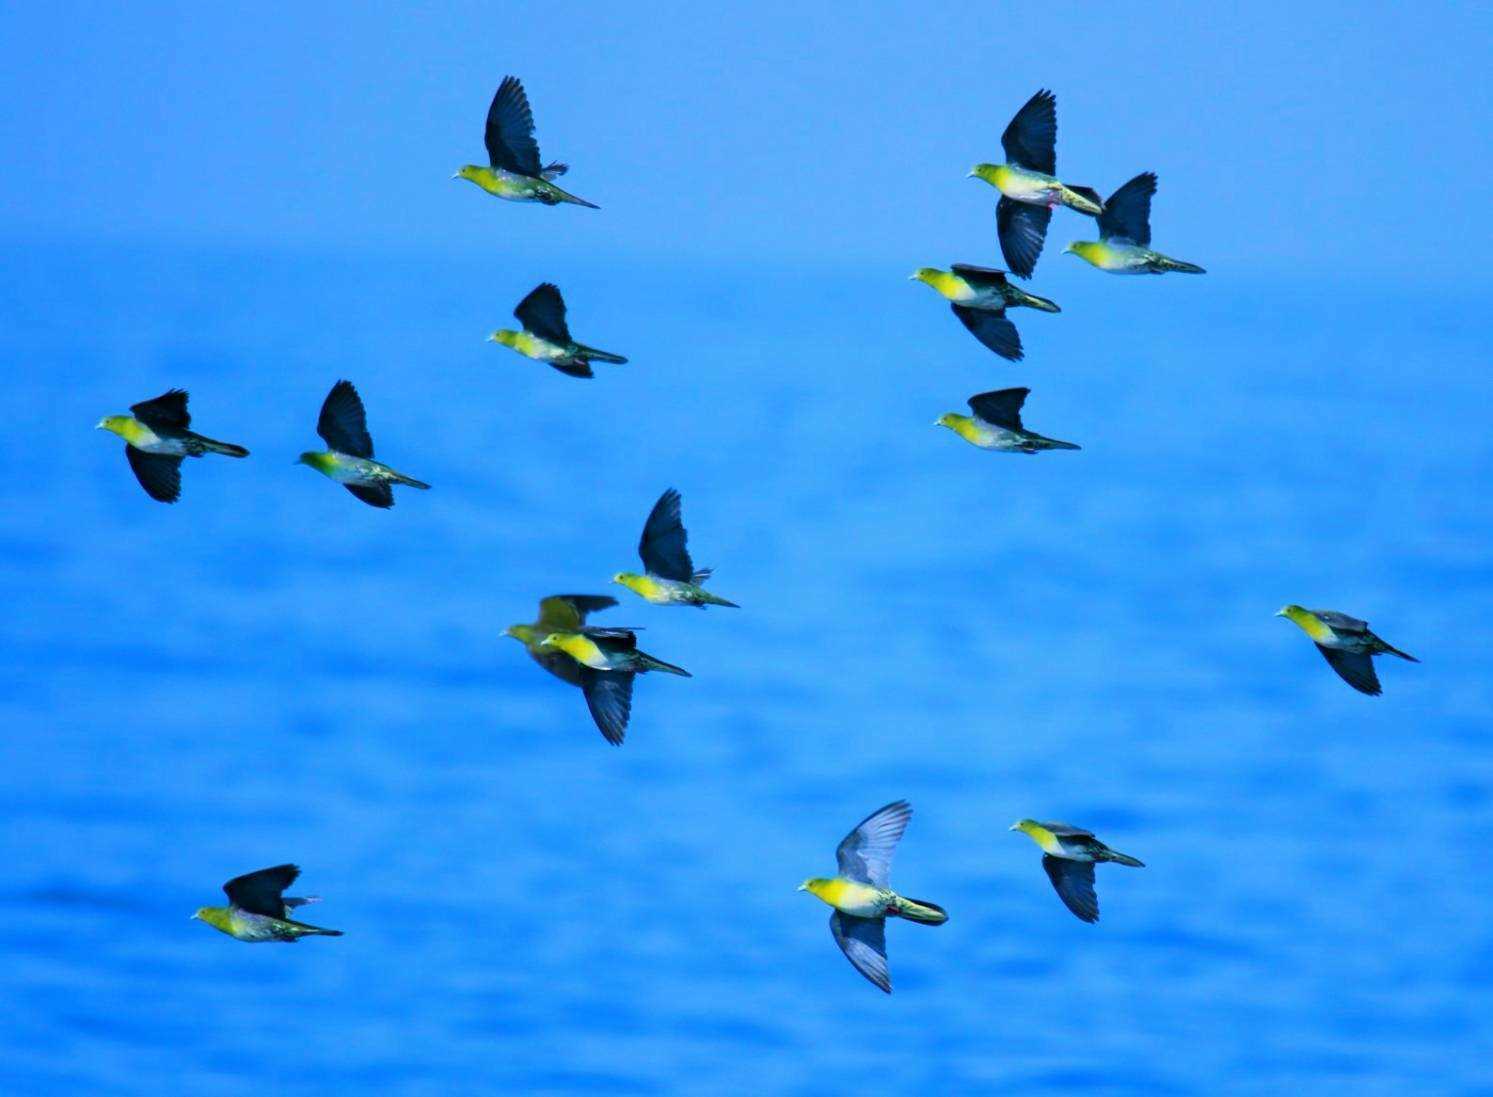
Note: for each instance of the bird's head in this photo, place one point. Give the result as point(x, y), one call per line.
point(985, 172)
point(553, 640)
point(629, 579)
point(1026, 826)
point(1084, 249)
point(217, 917)
point(524, 634)
point(815, 885)
point(468, 171)
point(114, 424)
point(925, 274)
point(505, 336)
point(318, 461)
point(1292, 611)
point(948, 419)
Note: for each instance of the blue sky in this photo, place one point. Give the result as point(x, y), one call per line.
point(1347, 137)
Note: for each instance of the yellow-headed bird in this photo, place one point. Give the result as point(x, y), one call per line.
point(996, 424)
point(1069, 855)
point(1124, 240)
point(258, 910)
point(1028, 189)
point(608, 693)
point(343, 425)
point(862, 896)
point(980, 296)
point(546, 336)
point(610, 649)
point(514, 171)
point(670, 577)
point(1346, 643)
point(156, 439)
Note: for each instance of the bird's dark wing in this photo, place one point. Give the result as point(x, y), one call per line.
point(624, 639)
point(1031, 138)
point(260, 892)
point(1065, 830)
point(166, 412)
point(1074, 883)
point(159, 474)
point(1003, 407)
point(863, 941)
point(566, 612)
point(865, 854)
point(609, 697)
point(979, 276)
point(1127, 214)
point(1340, 622)
point(993, 329)
point(510, 130)
point(543, 313)
point(663, 544)
point(1022, 230)
point(1354, 667)
point(379, 495)
point(343, 425)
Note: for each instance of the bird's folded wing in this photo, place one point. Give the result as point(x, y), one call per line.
point(159, 474)
point(1340, 622)
point(343, 425)
point(663, 544)
point(260, 892)
point(1002, 408)
point(379, 495)
point(992, 329)
point(1354, 667)
point(1022, 230)
point(863, 940)
point(865, 854)
point(609, 697)
point(979, 276)
point(166, 412)
point(542, 312)
point(1127, 214)
point(1031, 138)
point(561, 612)
point(1074, 883)
point(510, 130)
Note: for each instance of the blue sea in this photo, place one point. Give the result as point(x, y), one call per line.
point(270, 671)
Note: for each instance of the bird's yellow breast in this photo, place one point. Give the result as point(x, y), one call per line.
point(1046, 839)
point(850, 896)
point(583, 650)
point(1310, 624)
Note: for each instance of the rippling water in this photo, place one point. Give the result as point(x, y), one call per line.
point(270, 671)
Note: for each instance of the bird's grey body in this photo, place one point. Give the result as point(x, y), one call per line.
point(1347, 643)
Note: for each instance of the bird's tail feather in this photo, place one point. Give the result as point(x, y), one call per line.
point(1179, 266)
point(1125, 859)
point(708, 599)
point(304, 930)
point(1083, 199)
point(920, 911)
point(564, 196)
point(410, 481)
point(228, 449)
point(1031, 300)
point(1401, 654)
point(601, 355)
point(650, 663)
point(1053, 443)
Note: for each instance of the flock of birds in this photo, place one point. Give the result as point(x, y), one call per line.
point(602, 662)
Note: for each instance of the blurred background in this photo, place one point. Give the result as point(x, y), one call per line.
point(251, 202)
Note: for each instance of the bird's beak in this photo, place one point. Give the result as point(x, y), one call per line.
point(938, 422)
point(1014, 826)
point(971, 174)
point(99, 425)
point(913, 277)
point(802, 887)
point(1068, 250)
point(456, 175)
point(1280, 613)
